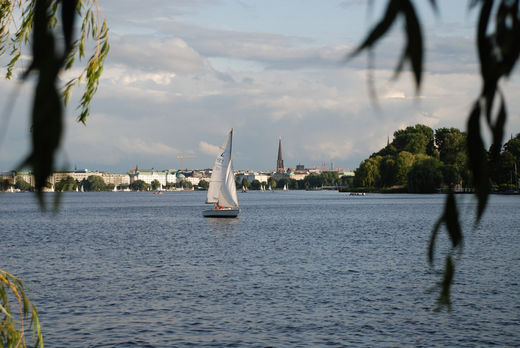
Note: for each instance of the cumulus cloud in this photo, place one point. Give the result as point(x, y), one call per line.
point(339, 149)
point(178, 78)
point(151, 54)
point(208, 149)
point(123, 76)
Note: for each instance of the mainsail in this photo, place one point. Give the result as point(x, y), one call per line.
point(222, 189)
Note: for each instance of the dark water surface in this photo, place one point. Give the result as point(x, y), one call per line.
point(295, 269)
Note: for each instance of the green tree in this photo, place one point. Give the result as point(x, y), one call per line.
point(367, 175)
point(450, 175)
point(22, 184)
point(271, 183)
point(94, 183)
point(330, 178)
point(203, 185)
point(294, 184)
point(140, 185)
point(313, 181)
point(413, 139)
point(156, 184)
point(282, 183)
point(425, 176)
point(347, 181)
point(4, 185)
point(498, 49)
point(67, 184)
point(186, 184)
point(505, 173)
point(450, 142)
point(245, 183)
point(513, 147)
point(404, 162)
point(388, 171)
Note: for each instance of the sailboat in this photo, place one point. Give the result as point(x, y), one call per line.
point(222, 190)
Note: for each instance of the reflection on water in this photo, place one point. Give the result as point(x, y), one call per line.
point(294, 269)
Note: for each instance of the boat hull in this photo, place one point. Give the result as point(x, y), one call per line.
point(221, 213)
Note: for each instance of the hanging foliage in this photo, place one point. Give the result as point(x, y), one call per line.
point(498, 46)
point(13, 316)
point(51, 53)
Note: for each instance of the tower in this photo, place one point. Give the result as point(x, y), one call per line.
point(279, 163)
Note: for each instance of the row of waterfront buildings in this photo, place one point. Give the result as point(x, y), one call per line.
point(168, 177)
point(164, 177)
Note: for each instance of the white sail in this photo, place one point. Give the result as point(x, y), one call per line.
point(222, 189)
point(228, 193)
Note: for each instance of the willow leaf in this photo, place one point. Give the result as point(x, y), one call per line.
point(381, 28)
point(433, 237)
point(477, 159)
point(451, 217)
point(414, 46)
point(444, 299)
point(498, 128)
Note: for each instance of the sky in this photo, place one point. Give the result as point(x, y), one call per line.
point(181, 73)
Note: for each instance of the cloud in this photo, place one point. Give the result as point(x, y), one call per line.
point(180, 74)
point(208, 149)
point(329, 150)
point(123, 76)
point(139, 147)
point(150, 54)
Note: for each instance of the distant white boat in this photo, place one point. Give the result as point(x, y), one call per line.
point(285, 187)
point(357, 194)
point(115, 189)
point(222, 190)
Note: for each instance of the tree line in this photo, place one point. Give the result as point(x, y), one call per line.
point(95, 183)
point(310, 182)
point(421, 160)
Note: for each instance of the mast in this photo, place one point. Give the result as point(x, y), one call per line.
point(230, 144)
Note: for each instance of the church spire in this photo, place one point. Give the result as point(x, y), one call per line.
point(279, 163)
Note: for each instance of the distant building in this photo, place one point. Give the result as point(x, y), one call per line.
point(279, 163)
point(299, 173)
point(115, 179)
point(346, 173)
point(9, 176)
point(149, 175)
point(26, 175)
point(252, 176)
point(83, 174)
point(193, 180)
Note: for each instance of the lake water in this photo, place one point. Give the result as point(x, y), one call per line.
point(295, 269)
